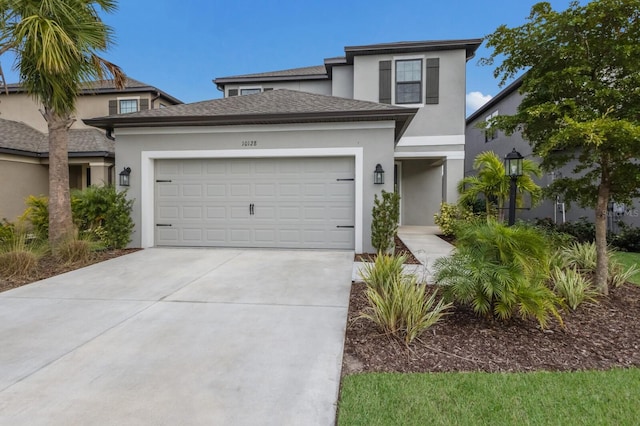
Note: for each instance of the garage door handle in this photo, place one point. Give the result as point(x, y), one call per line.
point(251, 206)
point(342, 180)
point(163, 224)
point(163, 180)
point(345, 226)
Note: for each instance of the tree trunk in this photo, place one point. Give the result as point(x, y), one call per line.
point(602, 263)
point(60, 221)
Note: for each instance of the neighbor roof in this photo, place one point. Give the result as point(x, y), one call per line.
point(317, 72)
point(271, 107)
point(106, 86)
point(21, 139)
point(496, 99)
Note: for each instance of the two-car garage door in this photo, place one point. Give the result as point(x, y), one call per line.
point(250, 202)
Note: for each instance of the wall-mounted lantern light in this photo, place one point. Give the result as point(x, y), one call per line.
point(124, 176)
point(513, 168)
point(378, 175)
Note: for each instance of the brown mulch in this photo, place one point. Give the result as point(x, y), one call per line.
point(400, 249)
point(595, 337)
point(49, 266)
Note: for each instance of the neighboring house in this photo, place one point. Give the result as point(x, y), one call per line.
point(287, 158)
point(24, 148)
point(479, 140)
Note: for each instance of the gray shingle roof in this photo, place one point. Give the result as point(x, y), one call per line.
point(19, 137)
point(317, 72)
point(271, 107)
point(106, 86)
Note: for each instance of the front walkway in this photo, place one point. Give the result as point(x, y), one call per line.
point(178, 337)
point(425, 245)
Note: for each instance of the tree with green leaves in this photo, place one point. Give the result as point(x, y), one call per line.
point(493, 184)
point(56, 45)
point(581, 104)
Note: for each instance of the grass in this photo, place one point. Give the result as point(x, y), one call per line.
point(628, 259)
point(540, 398)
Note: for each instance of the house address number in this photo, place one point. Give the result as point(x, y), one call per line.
point(249, 143)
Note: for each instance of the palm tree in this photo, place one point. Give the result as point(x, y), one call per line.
point(55, 43)
point(493, 183)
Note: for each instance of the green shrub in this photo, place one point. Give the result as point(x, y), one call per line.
point(6, 231)
point(555, 238)
point(582, 256)
point(572, 287)
point(403, 309)
point(19, 256)
point(451, 216)
point(628, 239)
point(101, 212)
point(385, 220)
point(582, 229)
point(105, 212)
point(384, 270)
point(499, 271)
point(37, 213)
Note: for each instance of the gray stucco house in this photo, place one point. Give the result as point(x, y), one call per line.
point(287, 158)
point(479, 140)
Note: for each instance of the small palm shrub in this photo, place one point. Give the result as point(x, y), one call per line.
point(384, 270)
point(19, 256)
point(499, 271)
point(385, 220)
point(403, 308)
point(572, 287)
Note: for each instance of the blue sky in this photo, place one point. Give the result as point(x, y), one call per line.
point(180, 46)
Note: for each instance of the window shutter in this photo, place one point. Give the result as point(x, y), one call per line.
point(113, 107)
point(385, 82)
point(233, 92)
point(433, 81)
point(144, 104)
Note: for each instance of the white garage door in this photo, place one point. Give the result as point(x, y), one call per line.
point(270, 202)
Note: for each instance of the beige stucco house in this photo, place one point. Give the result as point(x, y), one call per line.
point(287, 159)
point(24, 144)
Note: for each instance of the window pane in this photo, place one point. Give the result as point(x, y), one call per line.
point(128, 105)
point(409, 70)
point(249, 91)
point(408, 93)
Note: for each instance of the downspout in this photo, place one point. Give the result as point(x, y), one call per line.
point(155, 98)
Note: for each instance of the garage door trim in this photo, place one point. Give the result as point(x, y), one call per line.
point(147, 171)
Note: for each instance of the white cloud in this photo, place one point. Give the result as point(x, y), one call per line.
point(475, 100)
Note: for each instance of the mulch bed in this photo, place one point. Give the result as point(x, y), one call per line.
point(595, 337)
point(49, 266)
point(400, 249)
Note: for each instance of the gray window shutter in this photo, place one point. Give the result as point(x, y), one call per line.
point(113, 107)
point(385, 82)
point(233, 92)
point(433, 81)
point(144, 104)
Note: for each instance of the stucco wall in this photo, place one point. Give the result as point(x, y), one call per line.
point(342, 79)
point(21, 177)
point(444, 118)
point(376, 140)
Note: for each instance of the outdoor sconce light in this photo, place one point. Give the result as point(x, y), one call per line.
point(124, 176)
point(378, 175)
point(513, 168)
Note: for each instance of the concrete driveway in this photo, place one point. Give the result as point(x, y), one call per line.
point(178, 337)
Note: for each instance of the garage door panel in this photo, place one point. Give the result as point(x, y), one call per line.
point(297, 202)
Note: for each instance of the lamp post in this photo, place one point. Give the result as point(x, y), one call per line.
point(513, 168)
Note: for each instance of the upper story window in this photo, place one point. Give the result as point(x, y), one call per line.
point(127, 105)
point(250, 91)
point(409, 81)
point(490, 133)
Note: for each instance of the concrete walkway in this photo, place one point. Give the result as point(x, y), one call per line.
point(425, 245)
point(178, 337)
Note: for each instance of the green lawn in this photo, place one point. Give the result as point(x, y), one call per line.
point(541, 398)
point(628, 259)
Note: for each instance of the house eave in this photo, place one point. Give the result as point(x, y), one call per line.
point(469, 45)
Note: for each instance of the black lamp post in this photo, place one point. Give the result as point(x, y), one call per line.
point(513, 168)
